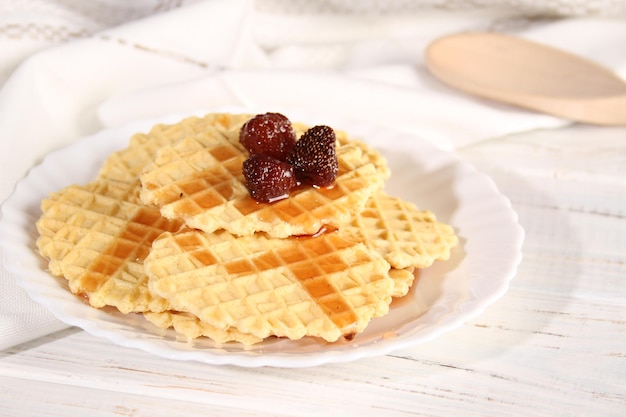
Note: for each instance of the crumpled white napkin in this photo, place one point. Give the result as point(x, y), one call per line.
point(217, 53)
point(51, 100)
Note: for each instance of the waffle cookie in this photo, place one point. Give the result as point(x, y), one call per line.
point(404, 235)
point(168, 229)
point(326, 286)
point(97, 241)
point(199, 179)
point(124, 166)
point(191, 327)
point(403, 279)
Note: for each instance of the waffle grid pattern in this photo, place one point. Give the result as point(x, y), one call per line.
point(116, 251)
point(197, 174)
point(326, 286)
point(192, 327)
point(404, 235)
point(127, 164)
point(200, 180)
point(98, 243)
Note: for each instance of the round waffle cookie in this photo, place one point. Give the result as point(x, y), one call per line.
point(97, 240)
point(199, 179)
point(326, 286)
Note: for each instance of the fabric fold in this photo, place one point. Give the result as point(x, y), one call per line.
point(223, 53)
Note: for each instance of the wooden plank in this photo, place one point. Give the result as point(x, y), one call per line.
point(528, 344)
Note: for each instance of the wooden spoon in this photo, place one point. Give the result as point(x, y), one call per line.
point(530, 75)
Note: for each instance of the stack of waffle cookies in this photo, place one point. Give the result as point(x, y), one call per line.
point(168, 230)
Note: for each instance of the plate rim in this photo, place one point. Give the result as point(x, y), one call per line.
point(275, 358)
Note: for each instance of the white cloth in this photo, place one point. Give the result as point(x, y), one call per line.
point(219, 53)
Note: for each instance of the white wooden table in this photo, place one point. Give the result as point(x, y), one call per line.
point(554, 345)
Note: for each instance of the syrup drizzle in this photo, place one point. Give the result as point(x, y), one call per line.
point(132, 244)
point(310, 260)
point(214, 186)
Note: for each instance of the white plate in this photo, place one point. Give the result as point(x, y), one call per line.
point(445, 296)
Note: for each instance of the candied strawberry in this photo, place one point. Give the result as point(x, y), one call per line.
point(267, 178)
point(268, 134)
point(314, 157)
